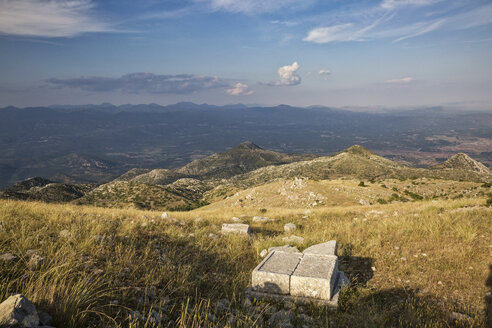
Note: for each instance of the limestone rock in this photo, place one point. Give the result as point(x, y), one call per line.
point(7, 257)
point(64, 233)
point(328, 248)
point(263, 253)
point(273, 274)
point(262, 219)
point(237, 220)
point(315, 277)
point(289, 227)
point(285, 248)
point(18, 311)
point(281, 319)
point(165, 215)
point(238, 228)
point(364, 202)
point(35, 262)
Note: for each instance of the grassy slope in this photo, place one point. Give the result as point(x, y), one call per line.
point(141, 251)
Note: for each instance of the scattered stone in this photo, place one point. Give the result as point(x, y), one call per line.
point(64, 233)
point(456, 316)
point(293, 239)
point(198, 219)
point(35, 262)
point(18, 311)
point(247, 303)
point(403, 258)
point(31, 252)
point(237, 220)
point(97, 272)
point(262, 219)
point(223, 305)
point(98, 239)
point(373, 268)
point(281, 319)
point(289, 227)
point(7, 257)
point(364, 202)
point(144, 224)
point(165, 215)
point(213, 236)
point(263, 253)
point(44, 318)
point(237, 228)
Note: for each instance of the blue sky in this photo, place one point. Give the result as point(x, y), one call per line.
point(312, 52)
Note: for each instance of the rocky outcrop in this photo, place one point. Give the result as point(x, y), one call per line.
point(17, 311)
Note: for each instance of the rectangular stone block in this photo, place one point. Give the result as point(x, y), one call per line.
point(328, 248)
point(273, 274)
point(236, 228)
point(315, 277)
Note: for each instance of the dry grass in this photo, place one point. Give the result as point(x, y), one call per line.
point(431, 258)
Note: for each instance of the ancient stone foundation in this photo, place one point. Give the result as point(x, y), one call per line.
point(310, 276)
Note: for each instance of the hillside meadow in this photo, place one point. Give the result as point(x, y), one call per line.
point(410, 264)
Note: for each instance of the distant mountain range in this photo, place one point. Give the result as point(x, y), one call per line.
point(243, 167)
point(97, 143)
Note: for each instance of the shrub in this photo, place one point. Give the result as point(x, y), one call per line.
point(362, 184)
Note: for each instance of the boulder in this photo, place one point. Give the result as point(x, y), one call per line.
point(18, 311)
point(289, 227)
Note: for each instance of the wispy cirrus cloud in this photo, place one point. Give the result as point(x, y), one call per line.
point(144, 83)
point(392, 4)
point(54, 18)
point(385, 21)
point(255, 6)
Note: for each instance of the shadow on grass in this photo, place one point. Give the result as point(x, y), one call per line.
point(398, 307)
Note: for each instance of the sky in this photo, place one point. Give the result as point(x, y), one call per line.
point(367, 53)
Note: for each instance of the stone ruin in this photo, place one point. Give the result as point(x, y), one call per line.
point(310, 276)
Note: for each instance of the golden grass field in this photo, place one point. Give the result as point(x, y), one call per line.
point(410, 264)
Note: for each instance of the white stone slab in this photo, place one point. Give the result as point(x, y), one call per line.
point(273, 274)
point(328, 248)
point(239, 228)
point(315, 277)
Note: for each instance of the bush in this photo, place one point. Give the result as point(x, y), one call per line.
point(382, 201)
point(362, 184)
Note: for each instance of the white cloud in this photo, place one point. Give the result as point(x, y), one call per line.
point(426, 29)
point(324, 73)
point(255, 6)
point(404, 80)
point(342, 32)
point(392, 4)
point(55, 18)
point(287, 75)
point(240, 89)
